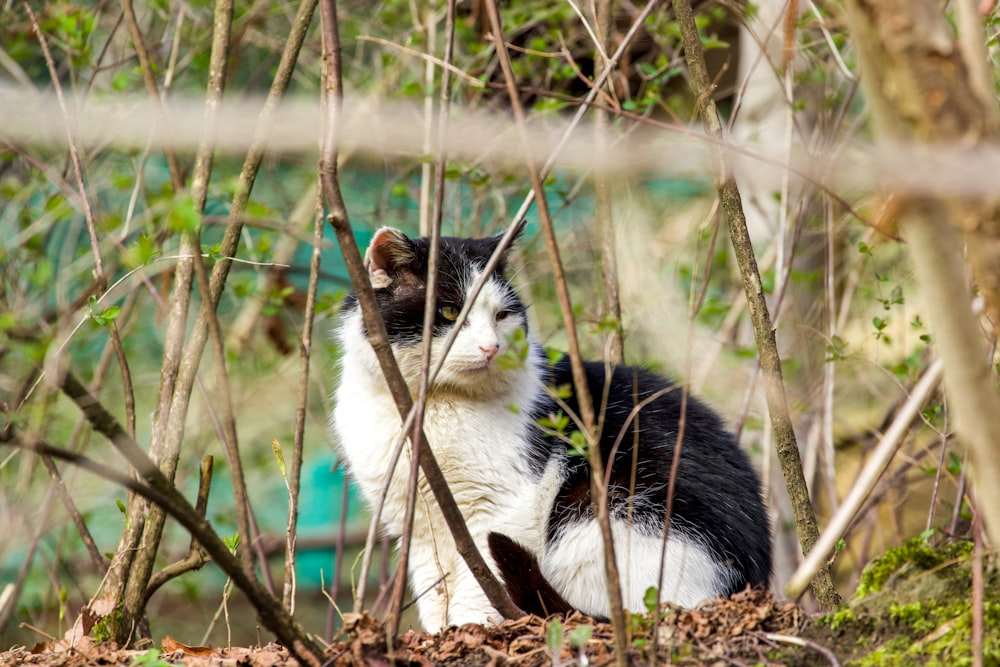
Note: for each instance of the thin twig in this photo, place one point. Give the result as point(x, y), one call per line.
point(430, 312)
point(978, 587)
point(784, 434)
point(146, 68)
point(229, 438)
point(338, 218)
point(615, 339)
point(598, 489)
point(305, 354)
point(865, 482)
point(429, 30)
point(7, 610)
point(338, 559)
point(88, 213)
point(429, 57)
point(99, 560)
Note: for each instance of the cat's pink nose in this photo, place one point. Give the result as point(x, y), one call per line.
point(490, 351)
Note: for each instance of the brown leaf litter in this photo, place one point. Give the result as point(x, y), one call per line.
point(723, 632)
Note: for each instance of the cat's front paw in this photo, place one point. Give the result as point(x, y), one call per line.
point(478, 615)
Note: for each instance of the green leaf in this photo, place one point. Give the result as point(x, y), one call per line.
point(554, 422)
point(561, 392)
point(554, 635)
point(232, 542)
point(276, 448)
point(107, 316)
point(120, 81)
point(184, 216)
point(142, 251)
point(580, 635)
point(608, 324)
point(649, 599)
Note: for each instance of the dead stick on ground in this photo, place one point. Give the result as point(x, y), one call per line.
point(774, 388)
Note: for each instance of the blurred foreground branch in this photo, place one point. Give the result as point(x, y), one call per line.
point(933, 100)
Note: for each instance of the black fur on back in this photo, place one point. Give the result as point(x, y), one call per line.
point(717, 495)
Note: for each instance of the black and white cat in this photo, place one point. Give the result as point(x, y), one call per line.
point(524, 492)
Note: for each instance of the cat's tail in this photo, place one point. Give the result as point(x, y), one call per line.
point(522, 575)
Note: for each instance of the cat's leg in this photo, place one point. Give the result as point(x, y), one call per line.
point(469, 603)
point(446, 591)
point(431, 584)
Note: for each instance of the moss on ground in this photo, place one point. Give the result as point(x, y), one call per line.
point(913, 606)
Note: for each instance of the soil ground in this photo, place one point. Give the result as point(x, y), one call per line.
point(913, 606)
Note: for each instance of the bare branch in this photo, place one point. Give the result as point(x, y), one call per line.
point(784, 434)
point(157, 489)
point(196, 556)
point(305, 352)
point(337, 216)
point(98, 559)
point(598, 487)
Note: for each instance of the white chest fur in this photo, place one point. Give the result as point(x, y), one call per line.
point(478, 445)
point(479, 442)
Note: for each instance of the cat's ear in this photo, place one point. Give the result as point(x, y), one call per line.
point(518, 231)
point(390, 251)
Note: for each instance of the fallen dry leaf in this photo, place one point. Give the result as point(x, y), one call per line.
point(171, 645)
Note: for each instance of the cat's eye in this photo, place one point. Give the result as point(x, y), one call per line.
point(449, 313)
point(503, 314)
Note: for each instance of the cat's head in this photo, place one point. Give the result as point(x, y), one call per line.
point(398, 268)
